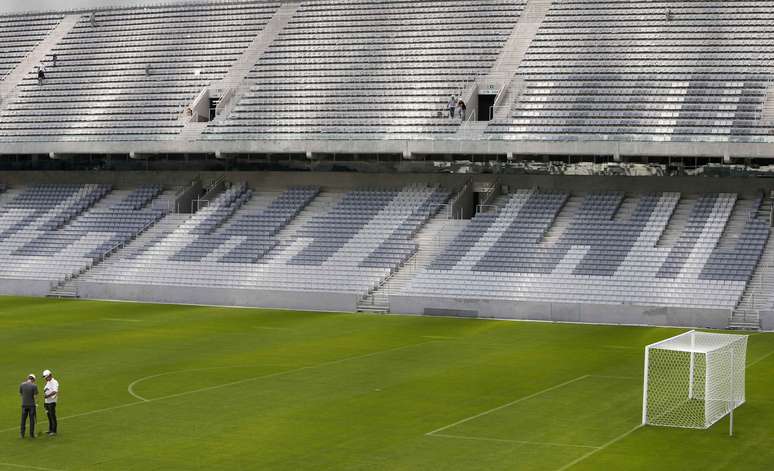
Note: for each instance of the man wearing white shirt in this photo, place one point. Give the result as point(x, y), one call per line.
point(51, 394)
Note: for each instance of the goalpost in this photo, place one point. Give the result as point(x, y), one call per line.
point(694, 379)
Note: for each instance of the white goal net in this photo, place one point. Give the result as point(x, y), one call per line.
point(694, 379)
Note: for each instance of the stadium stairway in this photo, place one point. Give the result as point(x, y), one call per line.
point(68, 288)
point(767, 116)
point(759, 292)
point(8, 86)
point(235, 83)
point(677, 222)
point(504, 73)
point(431, 240)
point(289, 244)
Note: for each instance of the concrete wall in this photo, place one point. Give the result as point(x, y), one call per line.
point(561, 312)
point(184, 201)
point(23, 287)
point(767, 320)
point(313, 301)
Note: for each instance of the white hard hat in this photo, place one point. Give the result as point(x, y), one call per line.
point(47, 373)
point(31, 376)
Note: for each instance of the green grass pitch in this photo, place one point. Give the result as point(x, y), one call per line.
point(159, 387)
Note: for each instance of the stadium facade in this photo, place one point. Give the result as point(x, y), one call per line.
point(443, 214)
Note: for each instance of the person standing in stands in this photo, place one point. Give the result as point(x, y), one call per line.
point(462, 108)
point(28, 392)
point(41, 73)
point(452, 105)
point(51, 395)
point(53, 60)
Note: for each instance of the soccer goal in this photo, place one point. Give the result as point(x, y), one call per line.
point(694, 379)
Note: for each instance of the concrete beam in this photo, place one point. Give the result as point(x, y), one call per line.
point(402, 147)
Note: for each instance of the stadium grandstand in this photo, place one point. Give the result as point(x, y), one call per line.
point(318, 155)
point(452, 235)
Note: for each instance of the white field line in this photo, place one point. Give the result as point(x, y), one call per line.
point(24, 466)
point(626, 434)
point(518, 442)
point(760, 359)
point(130, 388)
point(495, 409)
point(114, 319)
point(597, 450)
point(224, 385)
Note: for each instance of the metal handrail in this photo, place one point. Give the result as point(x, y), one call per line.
point(199, 202)
point(493, 109)
point(480, 208)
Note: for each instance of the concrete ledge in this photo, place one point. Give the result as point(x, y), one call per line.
point(24, 287)
point(624, 314)
point(435, 146)
point(315, 301)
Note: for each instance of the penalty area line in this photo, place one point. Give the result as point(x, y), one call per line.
point(495, 409)
point(598, 449)
point(760, 359)
point(516, 442)
point(24, 466)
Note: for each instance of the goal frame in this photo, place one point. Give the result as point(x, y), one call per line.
point(728, 390)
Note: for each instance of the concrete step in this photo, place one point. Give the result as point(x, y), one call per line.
point(767, 115)
point(563, 219)
point(677, 222)
point(472, 129)
point(373, 309)
point(236, 80)
point(746, 326)
point(62, 294)
point(434, 236)
point(8, 86)
point(191, 131)
point(503, 75)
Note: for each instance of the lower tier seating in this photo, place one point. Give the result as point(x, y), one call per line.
point(346, 243)
point(602, 256)
point(52, 232)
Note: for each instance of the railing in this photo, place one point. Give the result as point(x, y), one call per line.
point(199, 202)
point(452, 213)
point(490, 195)
point(483, 208)
point(506, 91)
point(224, 100)
point(168, 207)
point(99, 259)
point(493, 110)
point(465, 83)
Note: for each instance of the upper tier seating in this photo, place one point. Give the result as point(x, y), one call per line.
point(50, 232)
point(349, 248)
point(602, 257)
point(131, 75)
point(369, 67)
point(629, 70)
point(20, 34)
